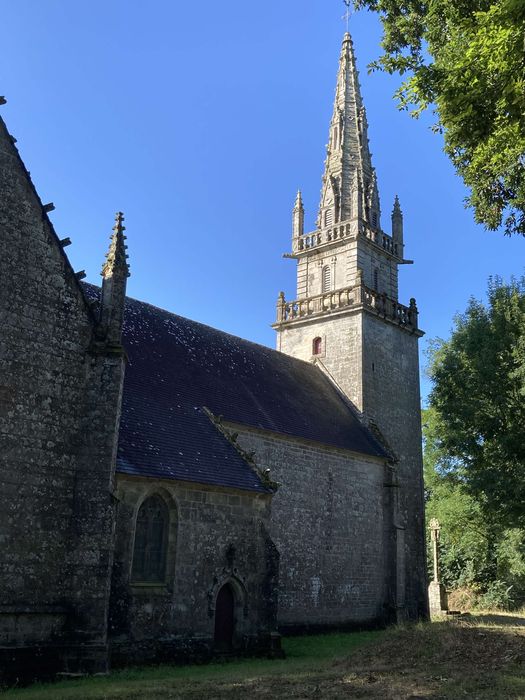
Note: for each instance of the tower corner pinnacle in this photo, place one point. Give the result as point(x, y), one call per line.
point(298, 216)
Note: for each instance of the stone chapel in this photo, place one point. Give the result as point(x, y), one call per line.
point(169, 490)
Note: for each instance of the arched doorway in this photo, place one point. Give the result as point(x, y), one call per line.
point(224, 618)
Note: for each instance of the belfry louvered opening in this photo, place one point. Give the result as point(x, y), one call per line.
point(326, 279)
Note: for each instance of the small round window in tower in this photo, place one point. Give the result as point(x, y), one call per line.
point(317, 346)
point(328, 217)
point(326, 279)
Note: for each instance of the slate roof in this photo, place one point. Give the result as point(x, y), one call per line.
point(177, 366)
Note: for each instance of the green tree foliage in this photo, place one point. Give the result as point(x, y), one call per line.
point(475, 552)
point(474, 445)
point(479, 398)
point(467, 59)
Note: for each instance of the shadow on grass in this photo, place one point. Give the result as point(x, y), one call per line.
point(446, 660)
point(503, 620)
point(304, 654)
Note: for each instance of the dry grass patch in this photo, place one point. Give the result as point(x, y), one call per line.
point(479, 658)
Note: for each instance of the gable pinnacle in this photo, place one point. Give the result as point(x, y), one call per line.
point(116, 257)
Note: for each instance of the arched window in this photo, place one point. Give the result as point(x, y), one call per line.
point(376, 279)
point(151, 542)
point(326, 283)
point(328, 217)
point(374, 219)
point(317, 346)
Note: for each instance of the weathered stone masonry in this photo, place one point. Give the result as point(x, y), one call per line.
point(331, 518)
point(217, 536)
point(60, 389)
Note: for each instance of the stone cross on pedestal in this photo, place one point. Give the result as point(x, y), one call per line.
point(437, 595)
point(434, 528)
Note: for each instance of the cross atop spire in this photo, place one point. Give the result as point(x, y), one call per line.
point(349, 189)
point(347, 14)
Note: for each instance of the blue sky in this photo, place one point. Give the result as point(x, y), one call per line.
point(200, 122)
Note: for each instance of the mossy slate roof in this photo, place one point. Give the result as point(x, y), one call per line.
point(176, 367)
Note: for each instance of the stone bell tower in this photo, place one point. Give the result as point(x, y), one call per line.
point(347, 319)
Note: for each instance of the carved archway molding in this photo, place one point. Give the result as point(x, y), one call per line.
point(231, 577)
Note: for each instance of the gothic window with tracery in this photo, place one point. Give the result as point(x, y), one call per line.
point(326, 279)
point(151, 542)
point(317, 346)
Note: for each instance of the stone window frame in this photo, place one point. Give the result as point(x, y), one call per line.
point(322, 338)
point(171, 542)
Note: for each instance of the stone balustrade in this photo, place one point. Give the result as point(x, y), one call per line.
point(381, 239)
point(358, 295)
point(340, 231)
point(327, 235)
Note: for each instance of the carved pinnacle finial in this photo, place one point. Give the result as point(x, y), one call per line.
point(119, 219)
point(397, 207)
point(117, 258)
point(299, 200)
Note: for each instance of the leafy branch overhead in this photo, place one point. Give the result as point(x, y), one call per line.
point(466, 59)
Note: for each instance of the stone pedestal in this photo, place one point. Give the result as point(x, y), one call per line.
point(437, 598)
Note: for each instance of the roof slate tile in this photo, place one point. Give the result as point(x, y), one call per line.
point(177, 367)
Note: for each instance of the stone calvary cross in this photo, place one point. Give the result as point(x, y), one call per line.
point(435, 528)
point(437, 595)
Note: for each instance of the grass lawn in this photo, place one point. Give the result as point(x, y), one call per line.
point(479, 658)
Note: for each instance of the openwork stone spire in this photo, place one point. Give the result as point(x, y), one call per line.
point(349, 185)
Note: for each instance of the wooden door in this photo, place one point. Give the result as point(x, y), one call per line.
point(224, 619)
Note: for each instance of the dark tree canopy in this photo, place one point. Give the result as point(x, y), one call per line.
point(467, 59)
point(478, 402)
